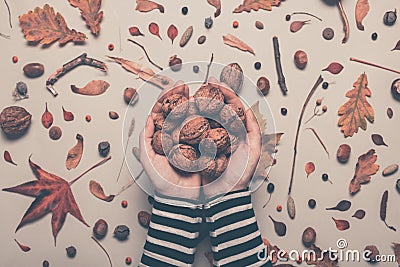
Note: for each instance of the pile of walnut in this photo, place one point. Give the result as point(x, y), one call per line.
point(184, 124)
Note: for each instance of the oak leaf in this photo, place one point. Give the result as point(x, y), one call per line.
point(255, 5)
point(75, 154)
point(356, 110)
point(43, 25)
point(52, 194)
point(362, 9)
point(90, 12)
point(233, 41)
point(147, 6)
point(365, 167)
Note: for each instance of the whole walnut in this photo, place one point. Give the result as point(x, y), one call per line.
point(218, 137)
point(194, 130)
point(161, 124)
point(183, 158)
point(175, 106)
point(233, 117)
point(14, 121)
point(161, 143)
point(209, 100)
point(232, 146)
point(212, 169)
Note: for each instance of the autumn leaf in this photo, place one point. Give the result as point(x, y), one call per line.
point(364, 169)
point(362, 9)
point(95, 87)
point(354, 112)
point(90, 12)
point(52, 194)
point(255, 5)
point(217, 5)
point(43, 25)
point(233, 41)
point(147, 6)
point(75, 154)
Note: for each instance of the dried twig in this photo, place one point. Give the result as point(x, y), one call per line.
point(105, 251)
point(373, 65)
point(281, 77)
point(319, 139)
point(346, 28)
point(310, 94)
point(9, 13)
point(208, 68)
point(67, 67)
point(145, 52)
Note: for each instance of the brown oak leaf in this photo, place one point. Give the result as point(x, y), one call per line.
point(147, 6)
point(356, 110)
point(255, 5)
point(364, 169)
point(43, 25)
point(52, 194)
point(90, 12)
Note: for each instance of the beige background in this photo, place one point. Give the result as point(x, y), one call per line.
point(120, 15)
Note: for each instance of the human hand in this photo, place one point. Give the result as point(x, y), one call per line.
point(165, 178)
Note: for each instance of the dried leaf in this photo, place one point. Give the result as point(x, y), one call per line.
point(359, 214)
point(255, 5)
point(144, 73)
point(90, 12)
point(341, 225)
point(362, 9)
point(147, 6)
point(97, 190)
point(53, 194)
point(75, 154)
point(95, 87)
point(24, 248)
point(43, 25)
point(396, 249)
point(154, 29)
point(391, 169)
point(233, 41)
point(217, 5)
point(378, 140)
point(47, 118)
point(68, 115)
point(172, 32)
point(354, 112)
point(397, 46)
point(364, 169)
point(309, 168)
point(343, 205)
point(383, 209)
point(334, 68)
point(7, 158)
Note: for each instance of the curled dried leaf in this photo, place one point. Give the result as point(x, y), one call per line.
point(147, 6)
point(7, 158)
point(341, 225)
point(75, 154)
point(97, 190)
point(95, 87)
point(309, 168)
point(233, 41)
point(362, 8)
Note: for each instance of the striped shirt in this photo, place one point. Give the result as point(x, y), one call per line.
point(174, 230)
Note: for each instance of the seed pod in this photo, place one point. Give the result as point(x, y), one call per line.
point(359, 214)
point(259, 25)
point(100, 229)
point(33, 70)
point(144, 219)
point(186, 36)
point(291, 207)
point(296, 26)
point(300, 59)
point(14, 121)
point(309, 236)
point(55, 133)
point(334, 68)
point(172, 32)
point(389, 170)
point(263, 85)
point(232, 75)
point(134, 31)
point(378, 140)
point(121, 232)
point(201, 39)
point(343, 153)
point(154, 29)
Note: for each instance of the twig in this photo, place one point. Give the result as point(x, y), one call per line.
point(208, 68)
point(105, 251)
point(346, 28)
point(319, 139)
point(373, 65)
point(5, 36)
point(310, 94)
point(130, 132)
point(145, 52)
point(306, 13)
point(281, 77)
point(90, 169)
point(9, 13)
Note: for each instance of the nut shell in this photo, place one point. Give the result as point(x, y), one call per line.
point(194, 130)
point(232, 75)
point(175, 106)
point(220, 137)
point(209, 100)
point(161, 143)
point(14, 121)
point(183, 157)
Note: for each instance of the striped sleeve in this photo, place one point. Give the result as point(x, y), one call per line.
point(173, 233)
point(235, 237)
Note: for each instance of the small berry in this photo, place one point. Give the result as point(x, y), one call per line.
point(325, 85)
point(284, 111)
point(324, 108)
point(312, 203)
point(325, 177)
point(374, 36)
point(288, 17)
point(88, 118)
point(279, 208)
point(124, 203)
point(14, 59)
point(196, 69)
point(257, 65)
point(270, 188)
point(111, 47)
point(235, 24)
point(184, 10)
point(128, 260)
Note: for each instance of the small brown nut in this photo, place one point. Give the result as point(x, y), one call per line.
point(144, 218)
point(263, 85)
point(100, 229)
point(183, 157)
point(15, 121)
point(233, 117)
point(55, 133)
point(162, 143)
point(33, 70)
point(175, 106)
point(300, 59)
point(371, 253)
point(309, 236)
point(218, 136)
point(232, 146)
point(175, 63)
point(130, 96)
point(209, 100)
point(212, 169)
point(343, 153)
point(232, 75)
point(194, 130)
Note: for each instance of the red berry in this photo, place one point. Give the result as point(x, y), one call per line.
point(14, 59)
point(279, 208)
point(88, 118)
point(111, 47)
point(235, 24)
point(128, 260)
point(124, 203)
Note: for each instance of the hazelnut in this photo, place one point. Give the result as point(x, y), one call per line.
point(183, 157)
point(300, 59)
point(220, 137)
point(209, 100)
point(175, 63)
point(263, 85)
point(233, 117)
point(161, 143)
point(212, 169)
point(130, 96)
point(343, 153)
point(175, 105)
point(194, 130)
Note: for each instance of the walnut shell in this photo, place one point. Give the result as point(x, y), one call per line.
point(220, 137)
point(213, 168)
point(14, 121)
point(161, 143)
point(194, 130)
point(232, 75)
point(209, 100)
point(183, 158)
point(175, 106)
point(233, 117)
